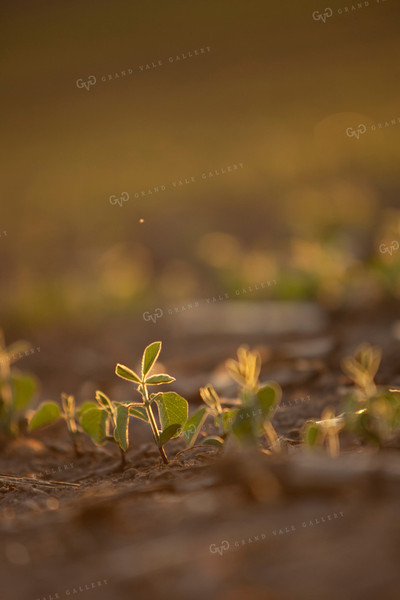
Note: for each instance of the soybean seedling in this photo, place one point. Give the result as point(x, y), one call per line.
point(250, 418)
point(107, 421)
point(16, 388)
point(48, 412)
point(371, 412)
point(172, 408)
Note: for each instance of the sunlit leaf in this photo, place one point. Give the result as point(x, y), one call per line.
point(139, 413)
point(150, 356)
point(121, 431)
point(311, 433)
point(172, 409)
point(94, 422)
point(85, 406)
point(46, 413)
point(159, 379)
point(168, 433)
point(126, 373)
point(210, 397)
point(213, 440)
point(104, 402)
point(269, 396)
point(192, 427)
point(24, 386)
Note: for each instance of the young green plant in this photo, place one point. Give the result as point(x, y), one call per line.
point(48, 412)
point(250, 416)
point(172, 408)
point(16, 388)
point(107, 421)
point(371, 412)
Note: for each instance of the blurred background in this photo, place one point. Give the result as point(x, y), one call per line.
point(276, 142)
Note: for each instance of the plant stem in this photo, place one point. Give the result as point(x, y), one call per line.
point(5, 373)
point(77, 452)
point(123, 459)
point(272, 436)
point(154, 427)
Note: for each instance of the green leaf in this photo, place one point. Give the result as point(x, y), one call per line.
point(160, 378)
point(168, 433)
point(121, 433)
point(213, 440)
point(139, 413)
point(227, 418)
point(150, 356)
point(244, 424)
point(172, 409)
point(24, 386)
point(127, 373)
point(311, 433)
point(46, 413)
point(85, 406)
point(269, 396)
point(192, 427)
point(104, 402)
point(94, 422)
